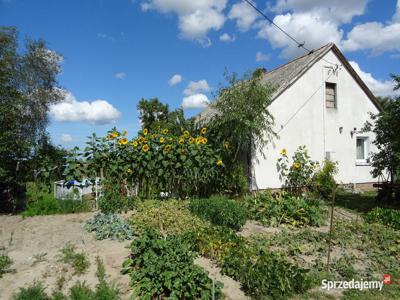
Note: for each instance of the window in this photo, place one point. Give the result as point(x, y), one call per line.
point(330, 94)
point(362, 150)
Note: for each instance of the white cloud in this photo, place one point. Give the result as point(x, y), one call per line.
point(195, 87)
point(195, 101)
point(66, 138)
point(120, 75)
point(244, 14)
point(174, 80)
point(339, 10)
point(375, 36)
point(95, 112)
point(195, 18)
point(379, 88)
point(303, 26)
point(226, 38)
point(261, 57)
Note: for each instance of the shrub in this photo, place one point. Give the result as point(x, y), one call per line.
point(263, 273)
point(323, 181)
point(41, 202)
point(78, 261)
point(163, 268)
point(297, 174)
point(283, 208)
point(219, 210)
point(109, 226)
point(5, 263)
point(33, 292)
point(385, 216)
point(167, 217)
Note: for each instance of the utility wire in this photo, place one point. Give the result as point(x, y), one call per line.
point(299, 45)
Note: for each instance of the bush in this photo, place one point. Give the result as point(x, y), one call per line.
point(385, 216)
point(166, 217)
point(109, 226)
point(323, 181)
point(283, 208)
point(5, 263)
point(263, 273)
point(220, 211)
point(33, 292)
point(163, 268)
point(41, 202)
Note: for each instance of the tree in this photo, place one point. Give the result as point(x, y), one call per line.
point(386, 126)
point(28, 86)
point(152, 112)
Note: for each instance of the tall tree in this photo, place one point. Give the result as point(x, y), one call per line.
point(28, 86)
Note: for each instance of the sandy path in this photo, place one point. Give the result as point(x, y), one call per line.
point(24, 238)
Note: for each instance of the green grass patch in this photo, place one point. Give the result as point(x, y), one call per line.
point(384, 216)
point(219, 210)
point(5, 264)
point(78, 260)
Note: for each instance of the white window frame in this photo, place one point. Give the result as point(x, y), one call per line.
point(365, 160)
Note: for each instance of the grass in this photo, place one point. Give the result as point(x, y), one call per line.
point(5, 264)
point(78, 261)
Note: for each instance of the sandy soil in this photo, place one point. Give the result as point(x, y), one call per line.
point(26, 238)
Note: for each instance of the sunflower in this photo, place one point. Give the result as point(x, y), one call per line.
point(186, 134)
point(123, 141)
point(110, 136)
point(296, 165)
point(283, 152)
point(191, 140)
point(198, 140)
point(204, 141)
point(204, 130)
point(226, 145)
point(170, 139)
point(161, 140)
point(181, 141)
point(145, 131)
point(219, 162)
point(115, 134)
point(168, 148)
point(165, 131)
point(145, 148)
point(135, 144)
point(129, 171)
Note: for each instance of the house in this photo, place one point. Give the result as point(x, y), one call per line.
point(320, 102)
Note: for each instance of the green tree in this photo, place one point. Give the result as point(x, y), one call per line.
point(386, 126)
point(152, 113)
point(28, 86)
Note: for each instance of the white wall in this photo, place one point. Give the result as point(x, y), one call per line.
point(301, 118)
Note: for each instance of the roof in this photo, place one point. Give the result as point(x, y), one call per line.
point(286, 75)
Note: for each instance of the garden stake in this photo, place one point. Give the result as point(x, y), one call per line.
point(331, 227)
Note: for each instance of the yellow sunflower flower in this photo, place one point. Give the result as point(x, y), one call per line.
point(145, 131)
point(170, 139)
point(165, 131)
point(204, 141)
point(129, 171)
point(115, 134)
point(145, 148)
point(181, 141)
point(283, 152)
point(204, 130)
point(219, 162)
point(161, 140)
point(226, 145)
point(198, 140)
point(110, 136)
point(168, 148)
point(123, 141)
point(191, 140)
point(296, 165)
point(186, 134)
point(135, 144)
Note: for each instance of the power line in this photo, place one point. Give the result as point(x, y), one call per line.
point(299, 45)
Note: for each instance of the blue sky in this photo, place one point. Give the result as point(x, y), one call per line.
point(121, 51)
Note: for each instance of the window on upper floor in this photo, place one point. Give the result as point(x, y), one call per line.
point(362, 149)
point(330, 94)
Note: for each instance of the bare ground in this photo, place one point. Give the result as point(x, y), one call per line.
point(26, 239)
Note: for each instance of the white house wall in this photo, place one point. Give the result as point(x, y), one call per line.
point(301, 118)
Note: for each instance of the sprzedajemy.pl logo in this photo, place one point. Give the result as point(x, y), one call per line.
point(357, 284)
